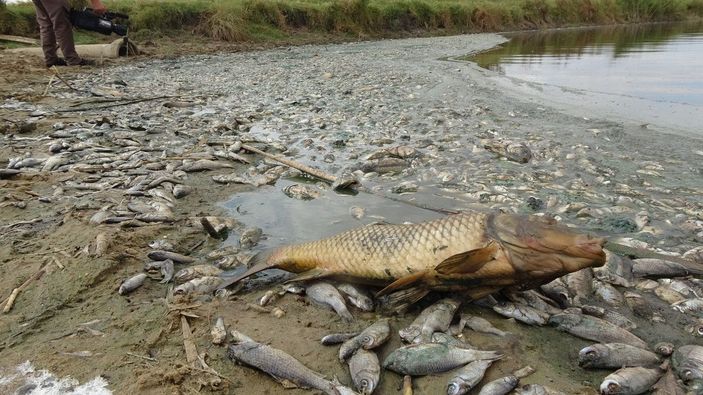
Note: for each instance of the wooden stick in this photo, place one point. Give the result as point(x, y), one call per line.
point(56, 73)
point(19, 39)
point(143, 357)
point(46, 91)
point(11, 299)
point(188, 344)
point(407, 385)
point(124, 103)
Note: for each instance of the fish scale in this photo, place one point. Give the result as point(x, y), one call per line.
point(387, 252)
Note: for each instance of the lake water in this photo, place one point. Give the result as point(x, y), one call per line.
point(643, 69)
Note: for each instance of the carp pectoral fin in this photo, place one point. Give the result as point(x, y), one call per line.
point(399, 301)
point(467, 262)
point(402, 282)
point(308, 275)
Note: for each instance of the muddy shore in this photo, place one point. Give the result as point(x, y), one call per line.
point(327, 106)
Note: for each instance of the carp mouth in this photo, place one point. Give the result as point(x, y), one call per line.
point(540, 245)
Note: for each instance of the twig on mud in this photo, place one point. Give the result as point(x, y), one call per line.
point(188, 344)
point(56, 73)
point(11, 299)
point(211, 371)
point(33, 221)
point(46, 91)
point(150, 359)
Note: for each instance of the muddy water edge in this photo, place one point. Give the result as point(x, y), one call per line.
point(330, 107)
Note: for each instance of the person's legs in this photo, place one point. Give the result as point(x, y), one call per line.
point(58, 13)
point(46, 31)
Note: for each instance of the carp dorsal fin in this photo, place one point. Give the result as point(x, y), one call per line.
point(402, 282)
point(467, 262)
point(311, 274)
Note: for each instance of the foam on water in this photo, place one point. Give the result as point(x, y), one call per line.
point(26, 380)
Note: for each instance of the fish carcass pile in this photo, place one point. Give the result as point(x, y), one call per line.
point(123, 169)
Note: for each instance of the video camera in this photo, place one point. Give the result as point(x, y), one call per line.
point(89, 20)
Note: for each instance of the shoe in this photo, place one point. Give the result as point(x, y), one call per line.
point(57, 62)
point(84, 62)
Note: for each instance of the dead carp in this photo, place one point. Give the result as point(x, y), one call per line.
point(474, 252)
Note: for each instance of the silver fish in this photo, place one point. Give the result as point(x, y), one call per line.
point(615, 356)
point(687, 362)
point(131, 284)
point(280, 365)
point(533, 299)
point(337, 338)
point(356, 297)
point(371, 337)
point(596, 329)
point(690, 306)
point(522, 313)
point(365, 370)
point(428, 358)
point(667, 385)
point(608, 293)
point(580, 284)
point(201, 285)
point(557, 291)
point(667, 294)
point(481, 325)
point(434, 316)
point(167, 271)
point(664, 349)
point(191, 272)
point(630, 381)
point(609, 315)
point(327, 295)
point(250, 237)
point(467, 377)
point(500, 386)
point(160, 255)
point(639, 306)
point(617, 270)
point(301, 192)
point(653, 267)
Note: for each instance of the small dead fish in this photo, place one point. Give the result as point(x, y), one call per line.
point(167, 271)
point(429, 358)
point(696, 329)
point(101, 244)
point(337, 338)
point(250, 237)
point(617, 270)
point(630, 381)
point(268, 297)
point(370, 338)
point(202, 285)
point(434, 316)
point(608, 293)
point(655, 268)
point(189, 273)
point(205, 164)
point(131, 284)
point(218, 331)
point(522, 313)
point(326, 294)
point(595, 329)
point(692, 306)
point(557, 291)
point(687, 362)
point(500, 386)
point(161, 244)
point(580, 285)
point(356, 297)
point(280, 365)
point(301, 192)
point(615, 356)
point(533, 299)
point(513, 151)
point(384, 165)
point(478, 324)
point(609, 315)
point(365, 371)
point(665, 293)
point(160, 255)
point(467, 377)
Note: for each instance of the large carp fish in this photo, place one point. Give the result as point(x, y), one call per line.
point(472, 252)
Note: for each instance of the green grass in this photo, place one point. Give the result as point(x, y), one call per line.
point(276, 20)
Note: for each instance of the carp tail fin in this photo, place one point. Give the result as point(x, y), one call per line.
point(260, 262)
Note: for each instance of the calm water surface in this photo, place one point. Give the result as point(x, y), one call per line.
point(655, 62)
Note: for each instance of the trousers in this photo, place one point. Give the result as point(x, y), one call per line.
point(55, 26)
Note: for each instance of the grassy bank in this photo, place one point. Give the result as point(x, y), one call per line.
point(278, 20)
